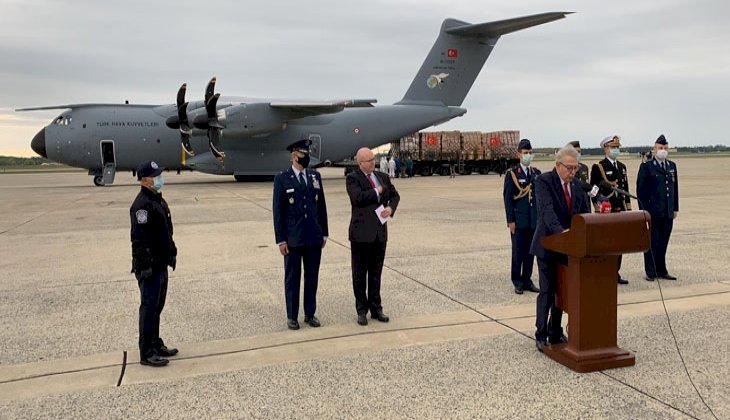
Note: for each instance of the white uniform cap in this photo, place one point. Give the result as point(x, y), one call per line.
point(612, 140)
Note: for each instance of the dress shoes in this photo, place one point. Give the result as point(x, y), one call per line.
point(292, 324)
point(165, 351)
point(622, 280)
point(312, 321)
point(518, 290)
point(650, 278)
point(541, 344)
point(558, 340)
point(155, 361)
point(362, 320)
point(668, 277)
point(531, 288)
point(380, 316)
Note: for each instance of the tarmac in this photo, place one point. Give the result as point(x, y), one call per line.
point(459, 343)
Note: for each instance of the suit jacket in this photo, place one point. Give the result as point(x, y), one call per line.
point(522, 211)
point(364, 223)
point(300, 211)
point(553, 215)
point(613, 175)
point(658, 189)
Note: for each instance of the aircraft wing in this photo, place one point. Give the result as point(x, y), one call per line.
point(74, 106)
point(311, 108)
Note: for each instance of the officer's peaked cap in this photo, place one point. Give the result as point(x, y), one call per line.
point(612, 140)
point(575, 143)
point(661, 140)
point(149, 169)
point(524, 144)
point(300, 146)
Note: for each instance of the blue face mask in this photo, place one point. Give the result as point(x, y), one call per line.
point(526, 159)
point(158, 183)
point(614, 153)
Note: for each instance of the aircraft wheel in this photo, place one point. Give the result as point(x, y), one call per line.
point(99, 181)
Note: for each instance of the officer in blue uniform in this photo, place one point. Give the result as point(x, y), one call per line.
point(612, 172)
point(658, 190)
point(300, 228)
point(519, 206)
point(153, 250)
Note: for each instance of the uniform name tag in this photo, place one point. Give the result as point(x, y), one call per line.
point(609, 172)
point(141, 216)
point(290, 190)
point(522, 181)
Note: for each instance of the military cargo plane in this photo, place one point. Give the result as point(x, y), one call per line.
point(247, 137)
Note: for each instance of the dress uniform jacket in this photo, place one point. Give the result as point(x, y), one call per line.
point(300, 211)
point(582, 172)
point(152, 243)
point(657, 188)
point(615, 175)
point(519, 197)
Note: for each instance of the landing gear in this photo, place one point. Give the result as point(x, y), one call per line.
point(99, 181)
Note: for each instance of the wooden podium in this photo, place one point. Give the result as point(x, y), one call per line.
point(587, 286)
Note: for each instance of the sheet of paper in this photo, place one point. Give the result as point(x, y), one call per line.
point(383, 220)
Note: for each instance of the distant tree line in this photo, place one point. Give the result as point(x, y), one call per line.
point(22, 161)
point(596, 151)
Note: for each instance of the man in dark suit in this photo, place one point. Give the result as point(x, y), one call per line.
point(658, 190)
point(612, 172)
point(559, 196)
point(519, 206)
point(300, 227)
point(369, 192)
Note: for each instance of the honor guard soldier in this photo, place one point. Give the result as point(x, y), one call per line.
point(583, 171)
point(658, 190)
point(300, 227)
point(611, 172)
point(153, 250)
point(521, 211)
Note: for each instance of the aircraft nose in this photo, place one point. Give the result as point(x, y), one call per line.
point(38, 144)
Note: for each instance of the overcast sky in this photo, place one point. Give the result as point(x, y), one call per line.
point(634, 68)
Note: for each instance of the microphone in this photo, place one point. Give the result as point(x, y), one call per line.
point(591, 190)
point(605, 184)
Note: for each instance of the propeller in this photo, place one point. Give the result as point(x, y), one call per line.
point(210, 121)
point(181, 120)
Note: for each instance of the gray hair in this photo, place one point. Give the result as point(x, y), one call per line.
point(568, 150)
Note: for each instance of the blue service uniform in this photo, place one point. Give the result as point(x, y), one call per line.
point(300, 220)
point(520, 208)
point(153, 250)
point(658, 190)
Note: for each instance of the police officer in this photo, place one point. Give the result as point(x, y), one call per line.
point(521, 211)
point(300, 228)
point(612, 172)
point(658, 190)
point(153, 250)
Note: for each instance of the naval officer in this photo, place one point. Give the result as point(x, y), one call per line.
point(300, 228)
point(658, 190)
point(612, 172)
point(521, 211)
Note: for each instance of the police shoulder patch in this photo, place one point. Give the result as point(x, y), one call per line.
point(141, 216)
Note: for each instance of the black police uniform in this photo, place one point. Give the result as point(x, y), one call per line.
point(153, 250)
point(658, 190)
point(604, 170)
point(300, 220)
point(520, 209)
point(582, 172)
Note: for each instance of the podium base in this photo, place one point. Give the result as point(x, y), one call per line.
point(592, 360)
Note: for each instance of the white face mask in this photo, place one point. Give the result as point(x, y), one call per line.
point(662, 154)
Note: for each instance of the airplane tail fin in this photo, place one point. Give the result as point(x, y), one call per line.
point(458, 55)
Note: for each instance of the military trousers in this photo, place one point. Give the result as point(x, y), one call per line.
point(309, 257)
point(153, 292)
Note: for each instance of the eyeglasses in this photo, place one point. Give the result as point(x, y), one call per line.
point(367, 161)
point(570, 168)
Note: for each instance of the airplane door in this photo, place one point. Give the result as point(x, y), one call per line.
point(108, 161)
point(315, 149)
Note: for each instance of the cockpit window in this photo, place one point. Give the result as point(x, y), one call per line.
point(62, 120)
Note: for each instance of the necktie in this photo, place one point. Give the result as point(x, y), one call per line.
point(664, 168)
point(370, 179)
point(567, 197)
point(301, 178)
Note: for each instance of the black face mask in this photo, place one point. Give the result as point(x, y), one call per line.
point(304, 161)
